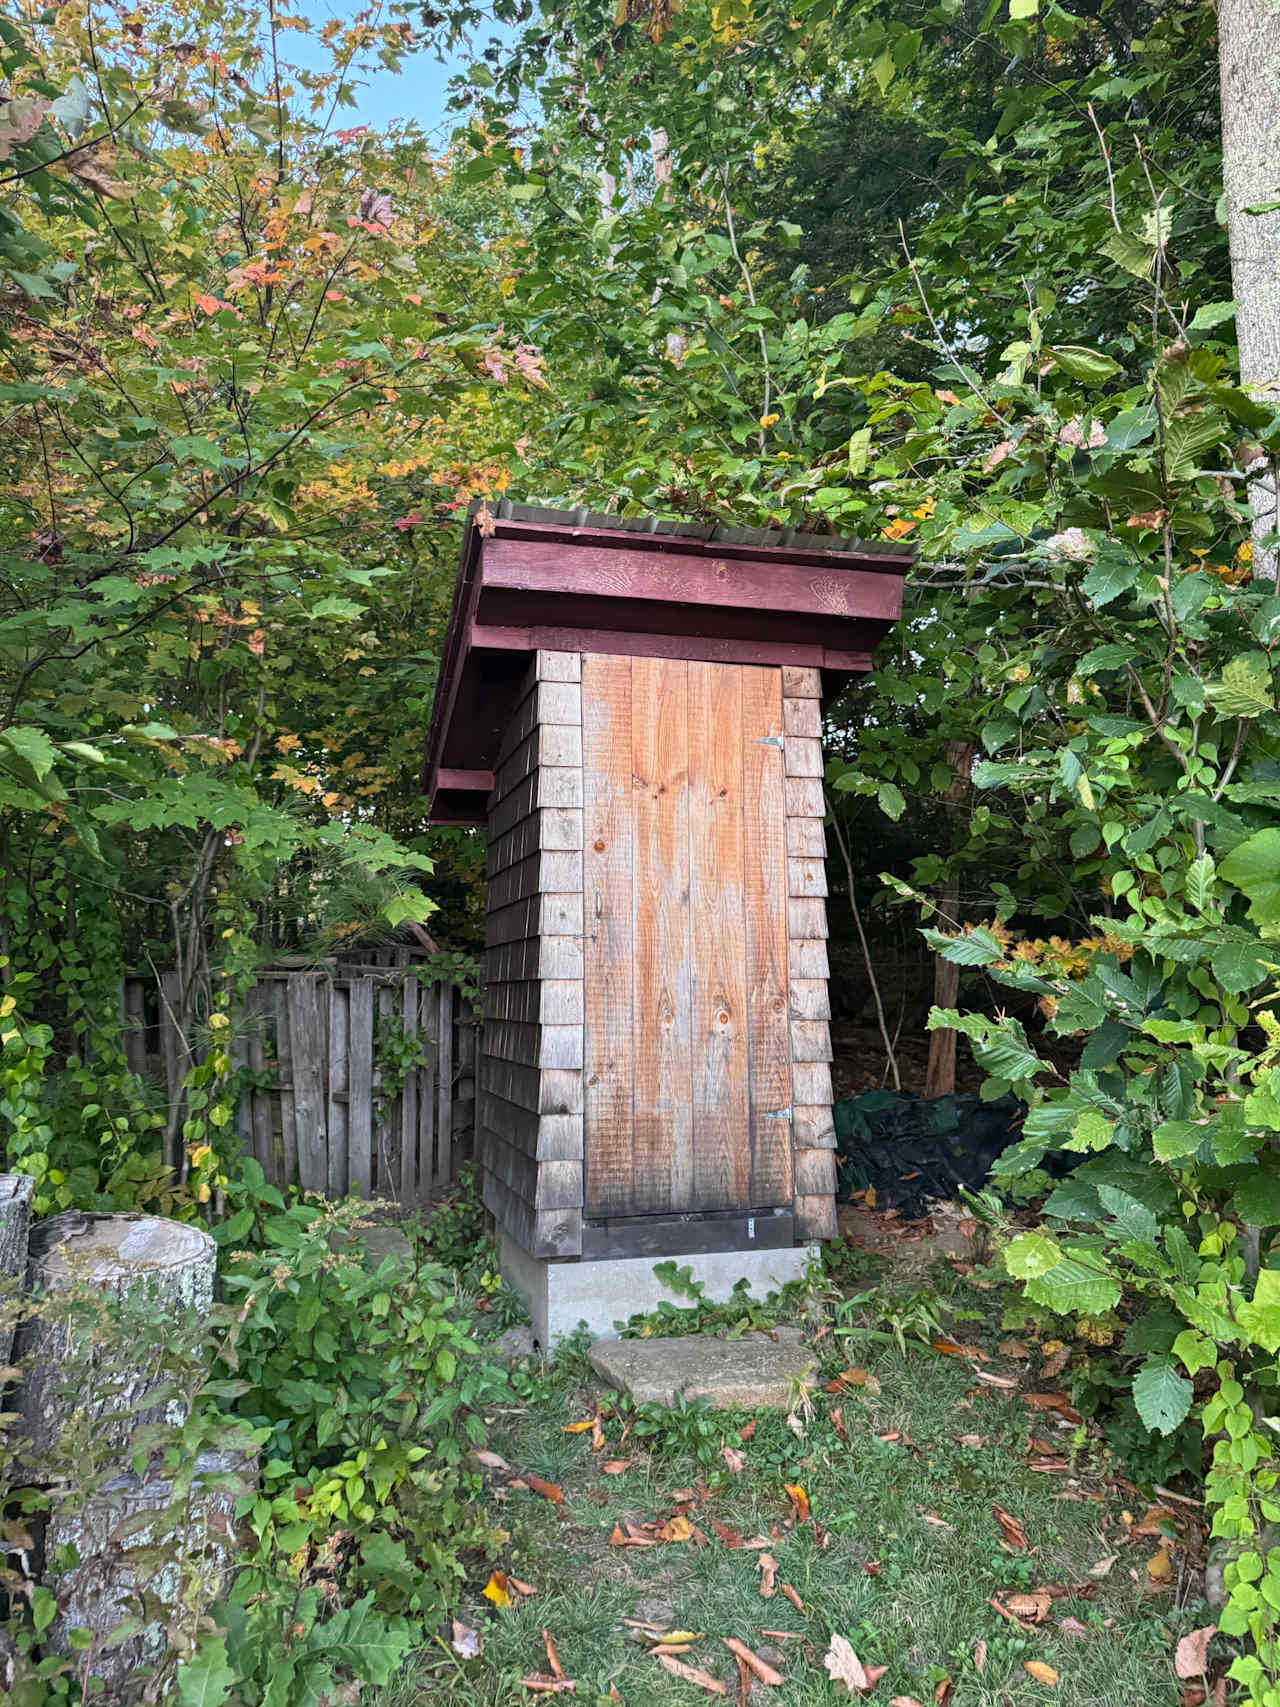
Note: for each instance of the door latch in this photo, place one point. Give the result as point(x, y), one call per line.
point(770, 741)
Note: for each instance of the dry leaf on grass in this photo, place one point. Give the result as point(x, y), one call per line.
point(1028, 1609)
point(1191, 1656)
point(837, 1422)
point(799, 1502)
point(490, 1460)
point(792, 1596)
point(1041, 1672)
point(733, 1458)
point(762, 1669)
point(549, 1490)
point(553, 1659)
point(853, 1378)
point(580, 1427)
point(952, 1348)
point(1160, 1566)
point(1011, 1529)
point(731, 1537)
point(615, 1466)
point(872, 1567)
point(676, 1529)
point(538, 1684)
point(784, 1635)
point(1006, 1383)
point(767, 1566)
point(517, 1587)
point(1056, 1402)
point(905, 1701)
point(1072, 1627)
point(466, 1643)
point(1103, 1566)
point(631, 1539)
point(942, 1694)
point(844, 1666)
point(1015, 1348)
point(691, 1674)
point(937, 1522)
point(496, 1589)
point(748, 1429)
point(979, 1657)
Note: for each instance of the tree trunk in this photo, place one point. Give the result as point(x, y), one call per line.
point(143, 1546)
point(15, 1223)
point(940, 1074)
point(1249, 65)
point(81, 1369)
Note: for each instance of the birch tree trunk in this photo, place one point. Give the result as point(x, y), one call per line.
point(1249, 65)
point(15, 1222)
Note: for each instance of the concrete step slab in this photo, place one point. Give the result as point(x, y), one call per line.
point(756, 1372)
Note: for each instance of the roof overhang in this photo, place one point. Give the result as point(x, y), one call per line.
point(533, 579)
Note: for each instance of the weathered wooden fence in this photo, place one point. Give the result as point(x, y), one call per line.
point(329, 1105)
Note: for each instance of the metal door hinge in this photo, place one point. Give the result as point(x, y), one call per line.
point(769, 740)
point(778, 1114)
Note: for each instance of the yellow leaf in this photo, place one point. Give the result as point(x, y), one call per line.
point(496, 1589)
point(1160, 1566)
point(1040, 1671)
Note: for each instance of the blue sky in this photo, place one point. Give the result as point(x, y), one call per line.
point(417, 92)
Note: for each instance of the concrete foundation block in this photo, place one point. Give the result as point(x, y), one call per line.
point(560, 1296)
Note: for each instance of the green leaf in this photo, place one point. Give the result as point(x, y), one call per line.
point(1023, 8)
point(1245, 688)
point(1177, 1138)
point(1031, 1254)
point(1070, 1288)
point(883, 70)
point(33, 745)
point(1077, 362)
point(1260, 1316)
point(1200, 876)
point(1162, 1394)
point(974, 948)
point(1111, 573)
point(1254, 868)
point(412, 904)
point(206, 1679)
point(891, 801)
point(1241, 966)
point(1212, 314)
point(1133, 1219)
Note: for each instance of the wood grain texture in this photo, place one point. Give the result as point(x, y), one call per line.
point(360, 1085)
point(816, 1217)
point(815, 1172)
point(663, 1165)
point(308, 1025)
point(765, 922)
point(801, 716)
point(807, 876)
point(339, 1089)
point(608, 894)
point(806, 838)
point(716, 903)
point(558, 666)
point(804, 756)
point(801, 682)
point(804, 797)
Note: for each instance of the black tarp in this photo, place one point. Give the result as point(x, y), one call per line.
point(942, 1142)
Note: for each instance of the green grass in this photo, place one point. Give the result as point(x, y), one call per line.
point(921, 1615)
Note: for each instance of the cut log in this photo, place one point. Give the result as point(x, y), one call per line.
point(15, 1222)
point(146, 1552)
point(164, 1267)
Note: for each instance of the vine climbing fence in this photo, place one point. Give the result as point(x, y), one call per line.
point(355, 1078)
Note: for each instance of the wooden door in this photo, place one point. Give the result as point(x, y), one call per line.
point(687, 1081)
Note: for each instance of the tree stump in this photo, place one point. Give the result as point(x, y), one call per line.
point(139, 1550)
point(85, 1364)
point(15, 1223)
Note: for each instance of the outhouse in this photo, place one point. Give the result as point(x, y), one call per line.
point(632, 711)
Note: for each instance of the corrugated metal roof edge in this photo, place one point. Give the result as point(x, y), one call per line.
point(508, 509)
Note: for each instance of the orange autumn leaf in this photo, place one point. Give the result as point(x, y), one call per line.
point(1011, 1529)
point(799, 1502)
point(496, 1589)
point(549, 1490)
point(792, 1596)
point(1041, 1672)
point(691, 1674)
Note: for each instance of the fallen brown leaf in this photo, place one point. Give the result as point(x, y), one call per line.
point(792, 1596)
point(762, 1669)
point(691, 1674)
point(1011, 1529)
point(466, 1643)
point(744, 1683)
point(979, 1657)
point(490, 1460)
point(853, 1378)
point(726, 1533)
point(1103, 1566)
point(1015, 1348)
point(844, 1666)
point(799, 1501)
point(837, 1423)
point(767, 1566)
point(784, 1635)
point(872, 1567)
point(618, 1539)
point(579, 1427)
point(538, 1684)
point(1191, 1656)
point(1072, 1627)
point(748, 1429)
point(1041, 1672)
point(553, 1659)
point(615, 1466)
point(1006, 1382)
point(953, 1348)
point(1028, 1608)
point(733, 1458)
point(549, 1490)
point(1058, 1402)
point(496, 1589)
point(676, 1529)
point(942, 1694)
point(1160, 1566)
point(937, 1522)
point(905, 1701)
point(517, 1587)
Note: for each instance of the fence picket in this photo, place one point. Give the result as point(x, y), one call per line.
point(314, 1125)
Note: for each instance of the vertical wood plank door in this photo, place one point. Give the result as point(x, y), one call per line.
point(687, 1062)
